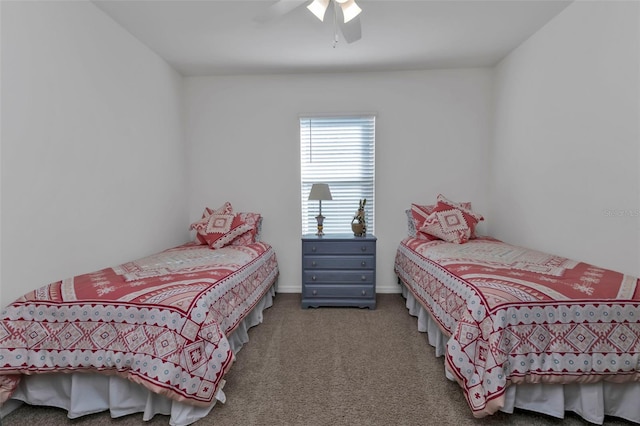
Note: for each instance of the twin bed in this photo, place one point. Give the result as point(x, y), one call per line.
point(156, 335)
point(519, 328)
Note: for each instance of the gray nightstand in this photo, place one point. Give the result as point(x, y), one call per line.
point(338, 270)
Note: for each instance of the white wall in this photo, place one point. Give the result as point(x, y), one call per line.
point(432, 131)
point(92, 154)
point(93, 165)
point(566, 152)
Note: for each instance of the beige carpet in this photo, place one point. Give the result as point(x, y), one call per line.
point(329, 366)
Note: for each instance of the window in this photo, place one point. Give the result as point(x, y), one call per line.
point(339, 151)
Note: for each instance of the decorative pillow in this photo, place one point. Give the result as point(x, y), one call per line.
point(251, 236)
point(258, 236)
point(465, 207)
point(420, 213)
point(451, 221)
point(222, 229)
point(411, 225)
point(226, 208)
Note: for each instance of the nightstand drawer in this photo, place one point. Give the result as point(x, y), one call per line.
point(338, 277)
point(341, 247)
point(339, 262)
point(338, 291)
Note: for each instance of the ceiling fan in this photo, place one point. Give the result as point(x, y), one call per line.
point(345, 15)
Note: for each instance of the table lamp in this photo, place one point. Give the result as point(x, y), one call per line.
point(320, 191)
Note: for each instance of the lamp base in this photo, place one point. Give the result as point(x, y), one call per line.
point(320, 220)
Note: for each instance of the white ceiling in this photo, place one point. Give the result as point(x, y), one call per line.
point(209, 37)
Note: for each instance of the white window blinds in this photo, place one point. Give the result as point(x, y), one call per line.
point(339, 151)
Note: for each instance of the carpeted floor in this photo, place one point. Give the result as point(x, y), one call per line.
point(329, 366)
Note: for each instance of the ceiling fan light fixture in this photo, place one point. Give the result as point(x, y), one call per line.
point(349, 9)
point(318, 8)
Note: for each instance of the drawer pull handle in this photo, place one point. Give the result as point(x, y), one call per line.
point(363, 278)
point(364, 292)
point(313, 263)
point(313, 248)
point(314, 292)
point(313, 278)
point(363, 248)
point(363, 263)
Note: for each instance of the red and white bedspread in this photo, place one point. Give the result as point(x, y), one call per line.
point(520, 316)
point(160, 321)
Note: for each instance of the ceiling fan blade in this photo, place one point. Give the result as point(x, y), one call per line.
point(349, 9)
point(351, 31)
point(319, 8)
point(278, 9)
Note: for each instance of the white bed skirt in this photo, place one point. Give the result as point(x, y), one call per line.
point(590, 401)
point(84, 393)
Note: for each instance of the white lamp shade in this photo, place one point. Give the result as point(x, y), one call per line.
point(350, 10)
point(320, 191)
point(318, 8)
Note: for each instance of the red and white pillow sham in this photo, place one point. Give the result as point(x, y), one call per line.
point(420, 213)
point(200, 225)
point(250, 236)
point(220, 227)
point(447, 220)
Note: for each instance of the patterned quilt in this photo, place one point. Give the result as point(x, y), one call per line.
point(521, 316)
point(160, 321)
